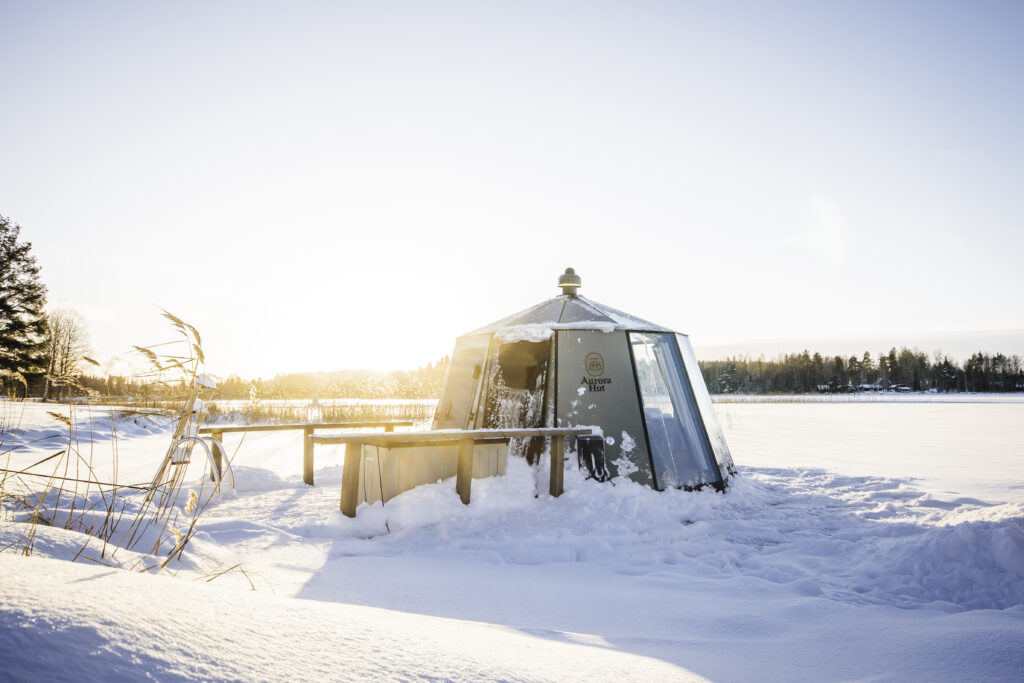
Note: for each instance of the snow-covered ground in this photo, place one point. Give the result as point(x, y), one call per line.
point(861, 541)
point(872, 397)
point(869, 397)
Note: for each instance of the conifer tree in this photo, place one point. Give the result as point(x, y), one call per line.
point(867, 366)
point(22, 322)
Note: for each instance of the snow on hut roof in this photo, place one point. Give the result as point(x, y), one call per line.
point(566, 312)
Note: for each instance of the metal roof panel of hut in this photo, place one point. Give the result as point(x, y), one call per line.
point(571, 312)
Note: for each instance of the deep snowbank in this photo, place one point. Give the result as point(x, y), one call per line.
point(824, 535)
point(94, 624)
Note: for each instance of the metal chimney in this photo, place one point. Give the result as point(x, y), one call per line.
point(569, 281)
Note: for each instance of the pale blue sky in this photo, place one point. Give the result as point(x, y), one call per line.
point(326, 185)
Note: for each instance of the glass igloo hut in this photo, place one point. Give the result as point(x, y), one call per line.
point(570, 361)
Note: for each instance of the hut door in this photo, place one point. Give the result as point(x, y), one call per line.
point(460, 387)
point(516, 387)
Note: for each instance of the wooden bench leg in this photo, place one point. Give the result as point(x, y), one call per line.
point(557, 465)
point(350, 479)
point(218, 463)
point(307, 455)
point(464, 480)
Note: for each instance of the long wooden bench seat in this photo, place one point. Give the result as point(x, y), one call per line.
point(426, 454)
point(308, 430)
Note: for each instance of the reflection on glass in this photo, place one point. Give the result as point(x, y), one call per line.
point(454, 410)
point(680, 452)
point(707, 409)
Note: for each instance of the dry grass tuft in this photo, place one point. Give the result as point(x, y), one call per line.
point(144, 518)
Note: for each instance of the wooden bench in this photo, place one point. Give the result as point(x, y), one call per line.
point(308, 430)
point(464, 438)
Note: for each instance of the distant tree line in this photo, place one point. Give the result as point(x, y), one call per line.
point(903, 370)
point(801, 373)
point(424, 382)
point(805, 372)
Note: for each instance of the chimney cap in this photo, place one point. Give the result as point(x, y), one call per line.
point(569, 281)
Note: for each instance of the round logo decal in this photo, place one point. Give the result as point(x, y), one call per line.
point(594, 364)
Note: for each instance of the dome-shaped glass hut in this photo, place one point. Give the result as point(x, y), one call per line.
point(569, 362)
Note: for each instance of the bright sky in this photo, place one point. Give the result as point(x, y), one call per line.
point(340, 185)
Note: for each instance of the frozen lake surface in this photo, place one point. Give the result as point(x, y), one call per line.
point(947, 448)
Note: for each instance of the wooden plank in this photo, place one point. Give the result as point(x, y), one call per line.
point(557, 465)
point(464, 480)
point(305, 425)
point(502, 460)
point(410, 469)
point(487, 460)
point(442, 465)
point(370, 441)
point(388, 469)
point(449, 435)
point(367, 453)
point(307, 455)
point(373, 486)
point(350, 479)
point(444, 434)
point(218, 462)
